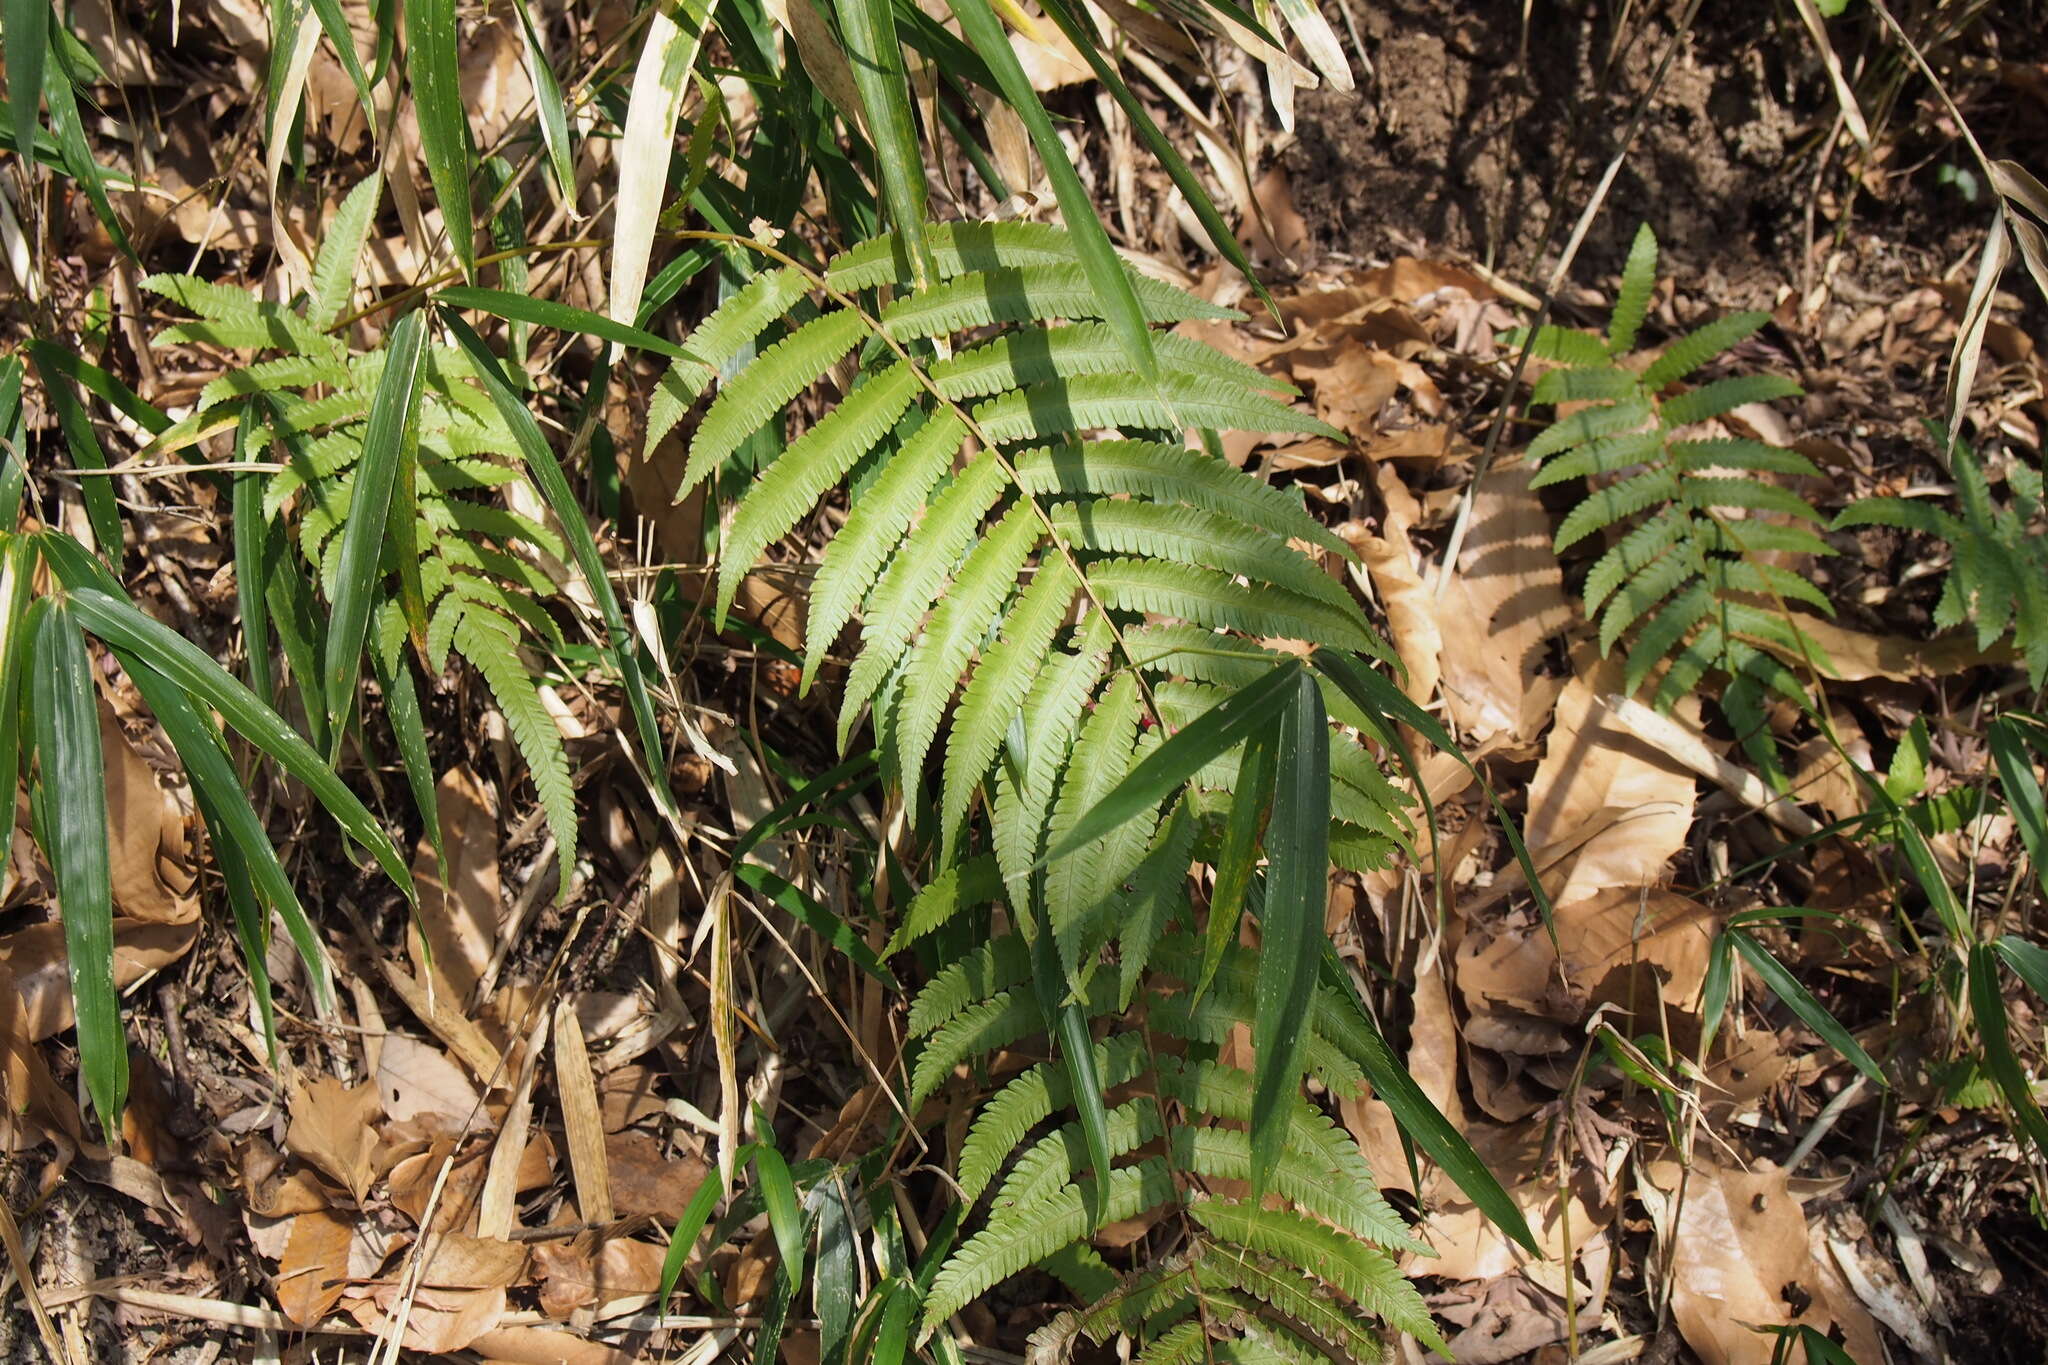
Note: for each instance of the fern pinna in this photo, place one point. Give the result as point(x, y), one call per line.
point(1688, 580)
point(461, 575)
point(1048, 582)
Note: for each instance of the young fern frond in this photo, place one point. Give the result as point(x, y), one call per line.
point(485, 594)
point(1687, 518)
point(1048, 579)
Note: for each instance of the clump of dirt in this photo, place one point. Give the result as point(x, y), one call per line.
point(1460, 138)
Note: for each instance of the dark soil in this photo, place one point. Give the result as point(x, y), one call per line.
point(1472, 132)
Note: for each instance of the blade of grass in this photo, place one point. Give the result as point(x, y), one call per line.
point(1169, 767)
point(1987, 1003)
point(335, 24)
point(430, 55)
point(785, 1216)
point(393, 427)
point(252, 572)
point(560, 316)
point(408, 728)
point(554, 488)
point(1291, 931)
point(2009, 750)
point(101, 384)
point(2028, 959)
point(1801, 1002)
point(659, 82)
point(69, 130)
point(27, 35)
point(67, 738)
point(96, 490)
point(1105, 269)
point(550, 107)
point(683, 1236)
point(17, 578)
point(144, 638)
point(876, 54)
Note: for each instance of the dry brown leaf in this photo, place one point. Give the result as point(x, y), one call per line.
point(582, 1120)
point(460, 920)
point(411, 1184)
point(1411, 610)
point(331, 1128)
point(1740, 1260)
point(1591, 764)
point(544, 1346)
point(1626, 946)
point(415, 1080)
point(313, 1272)
point(644, 1181)
point(1470, 1247)
point(566, 1277)
point(1350, 384)
point(437, 1321)
point(148, 854)
point(1508, 593)
point(1857, 656)
point(453, 1261)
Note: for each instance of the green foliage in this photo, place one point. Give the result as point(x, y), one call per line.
point(1998, 581)
point(1691, 525)
point(450, 557)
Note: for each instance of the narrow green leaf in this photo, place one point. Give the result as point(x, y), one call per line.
point(2023, 798)
point(431, 57)
point(1987, 1003)
point(1291, 929)
point(1801, 1002)
point(408, 728)
point(97, 490)
point(69, 130)
point(67, 736)
point(393, 427)
point(835, 931)
point(2028, 959)
point(1077, 207)
point(252, 571)
point(784, 1215)
point(561, 500)
point(335, 25)
point(1257, 776)
point(17, 578)
point(683, 1236)
point(551, 108)
point(1173, 764)
point(27, 39)
point(876, 55)
point(142, 637)
point(560, 316)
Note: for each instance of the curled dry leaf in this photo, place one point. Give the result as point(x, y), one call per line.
point(1740, 1260)
point(1412, 618)
point(437, 1321)
point(1591, 764)
point(416, 1080)
point(1630, 947)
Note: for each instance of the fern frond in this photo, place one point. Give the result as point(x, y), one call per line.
point(997, 689)
point(782, 372)
point(265, 376)
point(957, 627)
point(1656, 581)
point(981, 1028)
point(1596, 385)
point(1365, 1275)
point(1030, 1099)
point(1616, 502)
point(1294, 1294)
point(1208, 598)
point(1632, 300)
point(1561, 345)
point(1031, 293)
point(993, 1255)
point(1612, 419)
point(1664, 632)
point(959, 886)
point(341, 250)
point(1725, 395)
point(1173, 403)
point(1192, 536)
point(803, 473)
point(1052, 1161)
point(1602, 455)
point(1696, 348)
point(1077, 885)
point(1158, 894)
point(493, 650)
point(1025, 783)
point(994, 966)
point(956, 249)
point(1699, 457)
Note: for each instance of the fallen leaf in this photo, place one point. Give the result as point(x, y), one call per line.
point(645, 1182)
point(452, 1261)
point(437, 1321)
point(1591, 764)
point(460, 919)
point(1508, 594)
point(415, 1079)
point(331, 1129)
point(1740, 1261)
point(1632, 947)
point(149, 858)
point(313, 1272)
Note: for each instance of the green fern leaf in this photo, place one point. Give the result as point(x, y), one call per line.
point(1174, 403)
point(1632, 300)
point(996, 692)
point(1725, 395)
point(1908, 514)
point(1206, 597)
point(1711, 491)
point(1036, 355)
point(956, 249)
point(1365, 1275)
point(1051, 715)
point(1158, 895)
point(1584, 386)
point(1770, 581)
point(675, 393)
point(1603, 455)
point(804, 472)
point(1561, 345)
point(533, 730)
point(1078, 884)
point(873, 528)
point(1698, 457)
point(994, 966)
point(1655, 582)
point(1051, 1163)
point(1163, 473)
point(782, 372)
point(1185, 1343)
point(1588, 424)
point(957, 627)
point(913, 580)
point(1032, 293)
point(1662, 635)
point(1606, 506)
point(1192, 536)
point(958, 887)
point(1030, 1099)
point(341, 252)
point(995, 1254)
point(981, 1028)
point(266, 376)
point(1295, 1295)
point(1752, 536)
point(1695, 349)
point(209, 301)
